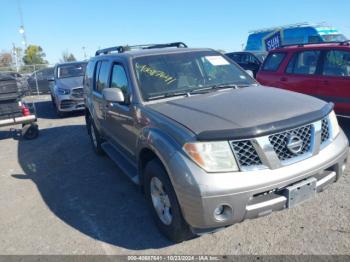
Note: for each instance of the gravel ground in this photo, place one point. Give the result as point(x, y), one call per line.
point(58, 197)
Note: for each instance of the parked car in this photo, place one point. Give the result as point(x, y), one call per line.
point(320, 70)
point(208, 145)
point(67, 90)
point(248, 60)
point(38, 81)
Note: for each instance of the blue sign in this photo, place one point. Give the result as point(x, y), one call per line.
point(273, 41)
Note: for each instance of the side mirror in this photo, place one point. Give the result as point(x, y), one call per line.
point(50, 79)
point(250, 72)
point(113, 95)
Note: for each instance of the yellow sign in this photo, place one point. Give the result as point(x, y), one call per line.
point(156, 73)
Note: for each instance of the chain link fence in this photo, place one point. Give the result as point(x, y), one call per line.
point(31, 79)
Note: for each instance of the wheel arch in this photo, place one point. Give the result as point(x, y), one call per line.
point(154, 145)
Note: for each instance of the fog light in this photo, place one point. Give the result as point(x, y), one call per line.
point(223, 213)
point(343, 167)
point(219, 210)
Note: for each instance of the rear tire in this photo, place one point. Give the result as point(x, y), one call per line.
point(95, 137)
point(169, 220)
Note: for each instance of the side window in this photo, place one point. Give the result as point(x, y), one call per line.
point(304, 63)
point(119, 79)
point(251, 59)
point(337, 63)
point(273, 62)
point(243, 58)
point(102, 71)
point(235, 57)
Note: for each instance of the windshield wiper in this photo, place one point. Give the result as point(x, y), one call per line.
point(213, 88)
point(166, 95)
point(188, 93)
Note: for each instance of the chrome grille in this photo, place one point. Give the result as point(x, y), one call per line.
point(325, 130)
point(78, 92)
point(279, 142)
point(245, 153)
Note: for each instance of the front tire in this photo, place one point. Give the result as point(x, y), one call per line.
point(163, 203)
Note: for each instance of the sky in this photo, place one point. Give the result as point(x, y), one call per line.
point(70, 25)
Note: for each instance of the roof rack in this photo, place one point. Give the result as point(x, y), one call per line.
point(346, 42)
point(122, 49)
point(105, 51)
point(175, 44)
point(304, 24)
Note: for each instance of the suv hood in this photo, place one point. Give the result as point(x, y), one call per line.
point(70, 82)
point(243, 113)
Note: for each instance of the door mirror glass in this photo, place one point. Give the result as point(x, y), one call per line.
point(113, 95)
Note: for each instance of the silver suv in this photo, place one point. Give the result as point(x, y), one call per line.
point(209, 146)
point(67, 90)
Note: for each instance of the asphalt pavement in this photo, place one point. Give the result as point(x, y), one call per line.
point(58, 197)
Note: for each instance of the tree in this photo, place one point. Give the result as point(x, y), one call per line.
point(66, 57)
point(34, 55)
point(5, 59)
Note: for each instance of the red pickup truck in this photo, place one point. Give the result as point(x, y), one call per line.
point(321, 70)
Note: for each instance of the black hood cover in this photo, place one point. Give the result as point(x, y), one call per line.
point(243, 113)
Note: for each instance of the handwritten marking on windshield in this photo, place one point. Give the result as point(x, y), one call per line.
point(156, 73)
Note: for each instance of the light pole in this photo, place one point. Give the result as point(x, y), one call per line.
point(23, 34)
point(84, 51)
point(21, 28)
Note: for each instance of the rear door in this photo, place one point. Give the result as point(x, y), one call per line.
point(302, 73)
point(100, 82)
point(335, 79)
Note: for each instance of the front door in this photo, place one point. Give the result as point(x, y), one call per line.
point(120, 124)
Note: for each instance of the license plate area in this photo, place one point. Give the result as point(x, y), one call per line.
point(300, 192)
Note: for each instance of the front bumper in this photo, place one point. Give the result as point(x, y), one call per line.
point(68, 103)
point(248, 194)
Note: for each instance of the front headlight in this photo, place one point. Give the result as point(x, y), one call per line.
point(63, 91)
point(334, 125)
point(212, 156)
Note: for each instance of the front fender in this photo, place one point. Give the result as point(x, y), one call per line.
point(161, 144)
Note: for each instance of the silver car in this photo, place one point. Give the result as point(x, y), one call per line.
point(67, 87)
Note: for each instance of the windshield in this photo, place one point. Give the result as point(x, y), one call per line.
point(172, 74)
point(71, 70)
point(334, 38)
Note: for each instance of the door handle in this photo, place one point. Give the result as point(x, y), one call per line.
point(284, 79)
